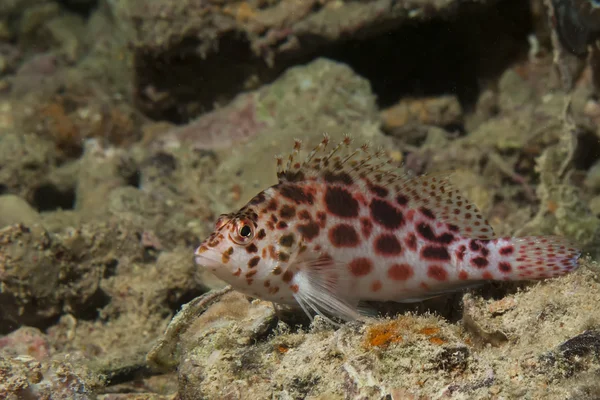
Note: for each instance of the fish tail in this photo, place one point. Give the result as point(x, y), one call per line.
point(519, 258)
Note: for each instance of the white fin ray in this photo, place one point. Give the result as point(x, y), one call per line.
point(316, 293)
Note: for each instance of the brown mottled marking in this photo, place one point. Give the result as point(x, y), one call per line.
point(251, 248)
point(272, 205)
point(287, 212)
point(253, 262)
point(272, 252)
point(283, 256)
point(267, 283)
point(287, 276)
point(261, 234)
point(309, 231)
point(251, 273)
point(273, 289)
point(294, 288)
point(277, 270)
point(226, 256)
point(322, 218)
point(287, 240)
point(282, 225)
point(238, 272)
point(304, 214)
point(293, 192)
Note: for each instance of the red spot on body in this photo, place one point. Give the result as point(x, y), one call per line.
point(386, 214)
point(378, 190)
point(437, 253)
point(309, 231)
point(436, 272)
point(479, 262)
point(410, 215)
point(487, 275)
point(360, 198)
point(411, 241)
point(366, 227)
point(460, 253)
point(376, 286)
point(360, 266)
point(341, 178)
point(507, 250)
point(426, 232)
point(294, 288)
point(343, 235)
point(387, 245)
point(402, 200)
point(400, 272)
point(427, 212)
point(505, 267)
point(463, 276)
point(322, 218)
point(341, 203)
point(453, 228)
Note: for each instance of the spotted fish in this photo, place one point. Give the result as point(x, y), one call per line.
point(345, 226)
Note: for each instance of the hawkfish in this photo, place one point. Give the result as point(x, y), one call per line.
point(345, 226)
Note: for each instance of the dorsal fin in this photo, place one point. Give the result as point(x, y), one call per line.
point(354, 163)
point(432, 194)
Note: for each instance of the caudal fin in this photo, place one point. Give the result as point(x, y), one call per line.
point(539, 257)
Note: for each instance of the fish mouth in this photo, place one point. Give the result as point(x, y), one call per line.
point(204, 260)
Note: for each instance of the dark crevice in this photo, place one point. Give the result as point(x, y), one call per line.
point(81, 7)
point(48, 197)
point(176, 298)
point(587, 151)
point(442, 56)
point(14, 315)
point(456, 54)
point(89, 310)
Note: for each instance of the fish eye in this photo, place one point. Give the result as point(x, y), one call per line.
point(244, 232)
